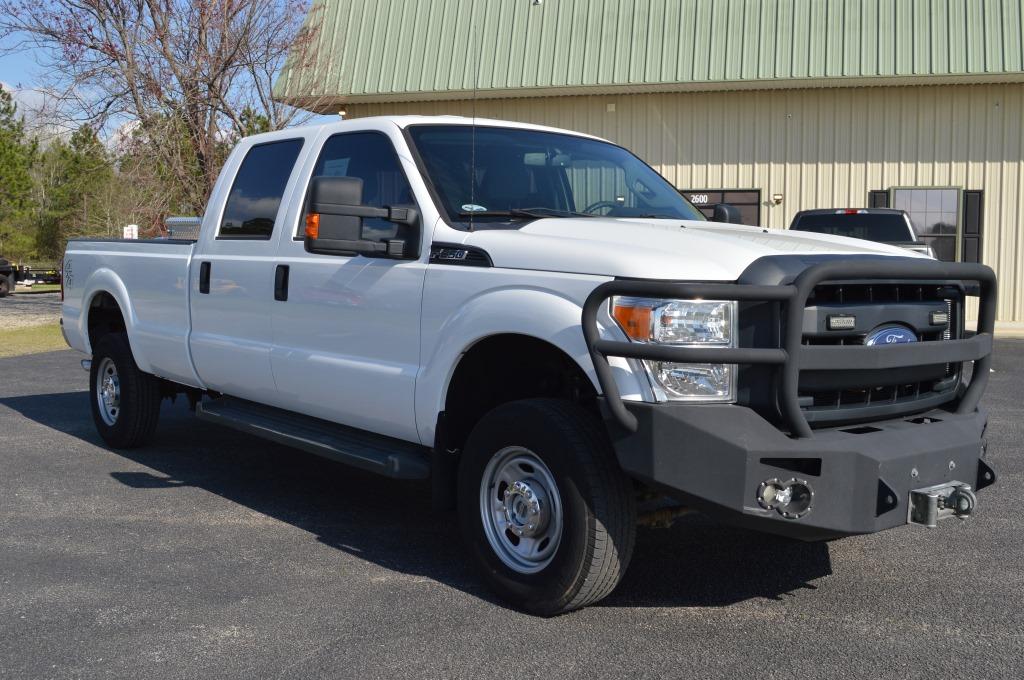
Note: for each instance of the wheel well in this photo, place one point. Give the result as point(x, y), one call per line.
point(504, 368)
point(104, 317)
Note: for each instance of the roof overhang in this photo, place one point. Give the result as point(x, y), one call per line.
point(326, 103)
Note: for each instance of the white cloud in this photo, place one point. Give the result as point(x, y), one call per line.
point(38, 108)
point(120, 139)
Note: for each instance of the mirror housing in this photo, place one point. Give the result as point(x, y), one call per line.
point(334, 221)
point(729, 214)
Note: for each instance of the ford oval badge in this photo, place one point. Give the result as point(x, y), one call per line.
point(890, 335)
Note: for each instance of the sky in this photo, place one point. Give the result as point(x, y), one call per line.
point(19, 72)
point(17, 68)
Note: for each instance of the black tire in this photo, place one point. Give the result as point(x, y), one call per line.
point(6, 285)
point(597, 500)
point(139, 400)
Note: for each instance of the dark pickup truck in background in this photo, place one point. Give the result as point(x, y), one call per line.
point(882, 225)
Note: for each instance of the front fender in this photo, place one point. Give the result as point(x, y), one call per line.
point(545, 314)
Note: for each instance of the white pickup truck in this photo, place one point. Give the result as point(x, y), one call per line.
point(540, 324)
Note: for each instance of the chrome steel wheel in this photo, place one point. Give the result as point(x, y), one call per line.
point(521, 509)
point(108, 391)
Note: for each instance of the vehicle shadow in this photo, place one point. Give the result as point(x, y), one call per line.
point(696, 563)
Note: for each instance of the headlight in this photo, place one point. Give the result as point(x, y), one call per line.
point(684, 323)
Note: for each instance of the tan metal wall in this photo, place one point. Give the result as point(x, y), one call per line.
point(819, 148)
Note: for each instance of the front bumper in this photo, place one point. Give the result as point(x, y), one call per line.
point(715, 457)
point(731, 462)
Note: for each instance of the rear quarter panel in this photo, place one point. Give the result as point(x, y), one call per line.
point(149, 281)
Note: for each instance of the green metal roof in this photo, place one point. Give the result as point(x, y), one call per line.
point(403, 50)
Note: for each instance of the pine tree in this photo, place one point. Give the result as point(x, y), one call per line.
point(78, 170)
point(16, 155)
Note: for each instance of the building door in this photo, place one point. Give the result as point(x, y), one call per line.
point(747, 200)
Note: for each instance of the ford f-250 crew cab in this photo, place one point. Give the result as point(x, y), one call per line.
point(541, 325)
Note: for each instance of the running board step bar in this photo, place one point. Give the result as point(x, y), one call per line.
point(374, 453)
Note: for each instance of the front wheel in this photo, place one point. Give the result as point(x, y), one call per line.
point(6, 285)
point(125, 401)
point(545, 510)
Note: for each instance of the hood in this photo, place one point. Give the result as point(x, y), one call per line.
point(655, 249)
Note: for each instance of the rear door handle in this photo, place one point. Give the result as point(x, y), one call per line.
point(281, 283)
point(204, 277)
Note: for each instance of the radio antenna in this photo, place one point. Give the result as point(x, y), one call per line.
point(475, 57)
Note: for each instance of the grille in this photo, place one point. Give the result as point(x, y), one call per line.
point(870, 293)
point(836, 397)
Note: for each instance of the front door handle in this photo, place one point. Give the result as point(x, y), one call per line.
point(204, 278)
point(281, 283)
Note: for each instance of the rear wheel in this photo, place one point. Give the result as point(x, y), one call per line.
point(6, 285)
point(546, 511)
point(125, 401)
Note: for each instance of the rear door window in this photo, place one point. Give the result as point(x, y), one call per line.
point(251, 209)
point(885, 228)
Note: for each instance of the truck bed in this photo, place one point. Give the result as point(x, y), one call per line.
point(149, 280)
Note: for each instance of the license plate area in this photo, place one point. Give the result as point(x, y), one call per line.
point(933, 503)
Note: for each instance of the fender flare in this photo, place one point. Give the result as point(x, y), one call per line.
point(105, 280)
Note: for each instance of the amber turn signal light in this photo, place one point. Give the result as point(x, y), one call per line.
point(635, 321)
point(313, 225)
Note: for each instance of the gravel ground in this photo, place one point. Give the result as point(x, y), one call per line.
point(22, 310)
point(215, 555)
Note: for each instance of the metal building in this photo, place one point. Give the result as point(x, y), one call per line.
point(772, 105)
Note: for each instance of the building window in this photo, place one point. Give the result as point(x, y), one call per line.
point(747, 200)
point(935, 214)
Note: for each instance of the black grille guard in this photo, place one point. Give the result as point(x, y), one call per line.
point(793, 356)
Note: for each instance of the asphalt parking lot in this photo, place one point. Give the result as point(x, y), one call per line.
point(216, 555)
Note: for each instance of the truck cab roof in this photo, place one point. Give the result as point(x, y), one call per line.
point(404, 122)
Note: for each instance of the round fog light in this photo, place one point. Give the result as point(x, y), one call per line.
point(799, 502)
point(791, 499)
point(771, 494)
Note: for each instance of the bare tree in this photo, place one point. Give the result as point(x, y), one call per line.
point(194, 75)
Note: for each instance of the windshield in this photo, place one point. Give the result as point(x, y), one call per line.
point(525, 174)
point(881, 227)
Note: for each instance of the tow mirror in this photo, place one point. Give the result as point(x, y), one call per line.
point(723, 212)
point(334, 221)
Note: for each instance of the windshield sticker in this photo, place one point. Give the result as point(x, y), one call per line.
point(473, 207)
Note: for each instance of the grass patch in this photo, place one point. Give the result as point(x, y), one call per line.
point(39, 288)
point(31, 340)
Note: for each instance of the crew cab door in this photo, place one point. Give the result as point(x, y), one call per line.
point(346, 338)
point(232, 272)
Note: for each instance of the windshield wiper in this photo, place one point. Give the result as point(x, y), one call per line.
point(534, 213)
point(556, 212)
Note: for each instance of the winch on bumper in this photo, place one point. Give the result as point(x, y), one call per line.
point(785, 477)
